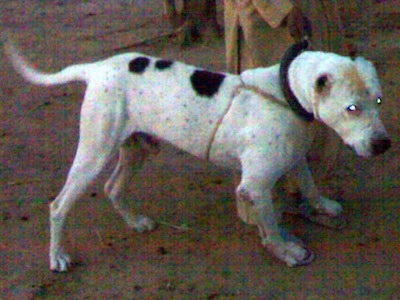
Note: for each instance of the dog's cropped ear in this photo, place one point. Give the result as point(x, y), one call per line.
point(365, 66)
point(368, 74)
point(323, 84)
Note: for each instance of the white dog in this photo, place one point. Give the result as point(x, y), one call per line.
point(239, 122)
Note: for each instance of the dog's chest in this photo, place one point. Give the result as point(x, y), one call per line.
point(180, 104)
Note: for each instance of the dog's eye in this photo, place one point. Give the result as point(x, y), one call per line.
point(378, 100)
point(353, 108)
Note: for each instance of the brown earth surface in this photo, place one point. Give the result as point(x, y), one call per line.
point(201, 250)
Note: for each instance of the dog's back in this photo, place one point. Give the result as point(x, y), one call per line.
point(181, 103)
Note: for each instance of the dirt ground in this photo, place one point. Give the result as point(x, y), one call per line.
point(201, 250)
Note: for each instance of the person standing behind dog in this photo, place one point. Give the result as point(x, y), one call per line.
point(257, 32)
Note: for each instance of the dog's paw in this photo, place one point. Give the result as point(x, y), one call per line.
point(291, 253)
point(60, 261)
point(143, 224)
point(328, 207)
point(326, 213)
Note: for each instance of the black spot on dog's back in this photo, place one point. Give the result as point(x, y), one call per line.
point(163, 64)
point(139, 64)
point(206, 83)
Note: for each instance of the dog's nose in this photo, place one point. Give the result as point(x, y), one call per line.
point(380, 145)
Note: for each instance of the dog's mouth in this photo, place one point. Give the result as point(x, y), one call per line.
point(377, 146)
point(359, 153)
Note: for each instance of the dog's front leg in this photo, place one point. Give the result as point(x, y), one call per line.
point(255, 190)
point(285, 247)
point(310, 192)
point(315, 207)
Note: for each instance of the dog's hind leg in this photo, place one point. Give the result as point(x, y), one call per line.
point(86, 166)
point(99, 138)
point(132, 155)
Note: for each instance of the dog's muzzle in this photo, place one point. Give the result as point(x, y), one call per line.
point(380, 145)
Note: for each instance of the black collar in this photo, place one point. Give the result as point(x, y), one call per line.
point(290, 97)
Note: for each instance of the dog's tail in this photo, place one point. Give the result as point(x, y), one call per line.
point(29, 73)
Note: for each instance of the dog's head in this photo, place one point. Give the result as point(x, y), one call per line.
point(346, 95)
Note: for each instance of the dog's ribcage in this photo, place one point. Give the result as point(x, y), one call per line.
point(177, 102)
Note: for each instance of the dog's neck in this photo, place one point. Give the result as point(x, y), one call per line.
point(265, 80)
point(302, 75)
